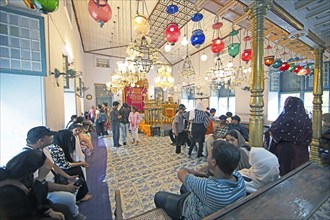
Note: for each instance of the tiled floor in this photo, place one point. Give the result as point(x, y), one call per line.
point(139, 171)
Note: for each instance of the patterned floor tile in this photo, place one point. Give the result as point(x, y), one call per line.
point(140, 171)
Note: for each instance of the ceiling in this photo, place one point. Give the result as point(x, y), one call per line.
point(306, 26)
point(313, 17)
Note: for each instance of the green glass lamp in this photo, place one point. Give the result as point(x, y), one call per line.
point(46, 6)
point(233, 49)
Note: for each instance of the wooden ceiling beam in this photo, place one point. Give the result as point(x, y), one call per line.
point(201, 3)
point(222, 11)
point(241, 18)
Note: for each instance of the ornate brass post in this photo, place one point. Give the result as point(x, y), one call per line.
point(257, 13)
point(317, 105)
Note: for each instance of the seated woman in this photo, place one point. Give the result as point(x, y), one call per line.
point(264, 169)
point(235, 137)
point(21, 196)
point(61, 152)
point(84, 137)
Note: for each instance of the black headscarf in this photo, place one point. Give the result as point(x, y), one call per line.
point(293, 125)
point(65, 140)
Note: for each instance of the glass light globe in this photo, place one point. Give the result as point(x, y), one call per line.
point(206, 78)
point(167, 48)
point(132, 84)
point(204, 57)
point(141, 25)
point(184, 41)
point(249, 69)
point(230, 64)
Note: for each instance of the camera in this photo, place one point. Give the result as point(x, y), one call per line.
point(79, 182)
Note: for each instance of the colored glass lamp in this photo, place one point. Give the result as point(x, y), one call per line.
point(292, 67)
point(278, 62)
point(233, 49)
point(172, 33)
point(46, 6)
point(247, 55)
point(172, 9)
point(99, 14)
point(197, 17)
point(284, 67)
point(141, 25)
point(297, 69)
point(197, 38)
point(269, 60)
point(217, 45)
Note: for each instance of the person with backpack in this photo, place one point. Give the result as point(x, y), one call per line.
point(102, 118)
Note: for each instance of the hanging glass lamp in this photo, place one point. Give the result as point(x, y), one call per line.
point(46, 6)
point(233, 49)
point(197, 38)
point(269, 60)
point(217, 45)
point(141, 25)
point(278, 62)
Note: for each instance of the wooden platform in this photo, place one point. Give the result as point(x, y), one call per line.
point(298, 195)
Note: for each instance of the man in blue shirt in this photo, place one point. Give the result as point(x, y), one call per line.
point(207, 192)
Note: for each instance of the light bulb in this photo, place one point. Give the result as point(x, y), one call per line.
point(249, 69)
point(167, 48)
point(204, 57)
point(230, 64)
point(184, 41)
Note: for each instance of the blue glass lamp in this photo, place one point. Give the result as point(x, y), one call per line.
point(197, 38)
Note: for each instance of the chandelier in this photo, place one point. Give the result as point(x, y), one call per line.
point(116, 85)
point(164, 78)
point(142, 53)
point(187, 68)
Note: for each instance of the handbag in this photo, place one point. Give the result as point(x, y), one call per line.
point(59, 179)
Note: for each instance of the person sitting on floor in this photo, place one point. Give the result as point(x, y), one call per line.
point(264, 169)
point(205, 196)
point(237, 139)
point(21, 196)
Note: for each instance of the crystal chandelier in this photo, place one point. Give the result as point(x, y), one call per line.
point(116, 85)
point(164, 78)
point(218, 73)
point(142, 53)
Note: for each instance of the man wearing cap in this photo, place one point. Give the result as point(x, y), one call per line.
point(38, 138)
point(178, 127)
point(235, 124)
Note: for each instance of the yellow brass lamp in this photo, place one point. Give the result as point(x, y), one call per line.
point(141, 26)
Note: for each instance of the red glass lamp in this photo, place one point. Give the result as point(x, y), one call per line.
point(297, 69)
point(247, 55)
point(172, 33)
point(100, 14)
point(217, 45)
point(285, 66)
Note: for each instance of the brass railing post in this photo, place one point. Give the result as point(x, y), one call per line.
point(317, 105)
point(257, 12)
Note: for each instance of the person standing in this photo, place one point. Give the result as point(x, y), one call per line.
point(134, 118)
point(212, 114)
point(200, 121)
point(115, 118)
point(291, 135)
point(178, 128)
point(124, 111)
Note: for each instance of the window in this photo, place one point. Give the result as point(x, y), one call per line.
point(285, 84)
point(22, 43)
point(222, 97)
point(188, 96)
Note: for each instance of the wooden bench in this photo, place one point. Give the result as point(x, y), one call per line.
point(297, 195)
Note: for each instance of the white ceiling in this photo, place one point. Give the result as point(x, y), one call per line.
point(113, 38)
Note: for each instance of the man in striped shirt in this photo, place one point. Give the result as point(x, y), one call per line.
point(207, 192)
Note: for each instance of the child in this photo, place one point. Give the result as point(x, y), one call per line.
point(134, 119)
